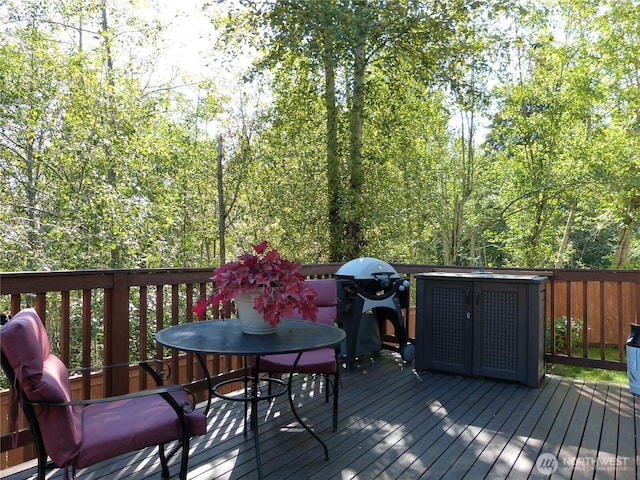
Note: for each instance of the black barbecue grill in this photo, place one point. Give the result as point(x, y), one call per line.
point(370, 292)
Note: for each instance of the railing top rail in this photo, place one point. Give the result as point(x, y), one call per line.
point(36, 282)
point(63, 280)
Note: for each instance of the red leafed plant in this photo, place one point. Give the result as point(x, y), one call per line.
point(283, 287)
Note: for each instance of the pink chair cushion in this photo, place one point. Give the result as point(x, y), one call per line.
point(326, 315)
point(326, 300)
point(83, 436)
point(327, 289)
point(125, 425)
point(315, 361)
point(43, 377)
point(61, 427)
point(25, 343)
point(53, 385)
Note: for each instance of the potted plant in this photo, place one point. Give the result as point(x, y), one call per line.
point(275, 286)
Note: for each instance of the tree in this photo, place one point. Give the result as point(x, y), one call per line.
point(90, 158)
point(349, 150)
point(618, 39)
point(543, 138)
point(350, 37)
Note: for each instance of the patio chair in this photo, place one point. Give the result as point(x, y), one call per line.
point(78, 434)
point(319, 362)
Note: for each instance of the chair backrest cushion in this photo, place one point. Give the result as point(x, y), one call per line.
point(61, 427)
point(326, 300)
point(43, 377)
point(25, 344)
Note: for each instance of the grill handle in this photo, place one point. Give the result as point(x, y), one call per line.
point(382, 278)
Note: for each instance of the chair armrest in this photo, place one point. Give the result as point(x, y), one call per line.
point(159, 375)
point(180, 409)
point(163, 391)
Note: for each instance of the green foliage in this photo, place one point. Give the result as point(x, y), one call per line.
point(103, 168)
point(560, 335)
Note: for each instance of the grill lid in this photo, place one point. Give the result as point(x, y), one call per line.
point(367, 268)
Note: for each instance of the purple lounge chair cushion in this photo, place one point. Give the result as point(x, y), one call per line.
point(322, 361)
point(43, 377)
point(125, 425)
point(326, 300)
point(315, 361)
point(25, 343)
point(82, 436)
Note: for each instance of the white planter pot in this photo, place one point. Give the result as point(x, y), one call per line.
point(251, 320)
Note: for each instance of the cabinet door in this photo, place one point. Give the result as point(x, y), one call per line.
point(449, 326)
point(499, 330)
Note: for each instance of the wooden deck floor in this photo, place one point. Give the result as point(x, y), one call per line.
point(399, 424)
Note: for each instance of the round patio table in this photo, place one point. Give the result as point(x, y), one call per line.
point(225, 337)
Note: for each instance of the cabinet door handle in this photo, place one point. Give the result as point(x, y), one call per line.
point(477, 297)
point(468, 301)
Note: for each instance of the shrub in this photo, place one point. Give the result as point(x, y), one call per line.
point(560, 336)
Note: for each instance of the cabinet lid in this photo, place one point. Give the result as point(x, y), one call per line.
point(486, 275)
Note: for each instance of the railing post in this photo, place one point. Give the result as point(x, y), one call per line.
point(116, 335)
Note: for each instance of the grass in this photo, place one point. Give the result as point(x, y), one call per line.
point(596, 374)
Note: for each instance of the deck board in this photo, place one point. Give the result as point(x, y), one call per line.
point(628, 429)
point(591, 438)
point(562, 420)
point(399, 424)
point(506, 402)
point(609, 439)
point(525, 464)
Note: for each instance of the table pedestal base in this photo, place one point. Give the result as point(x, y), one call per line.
point(252, 394)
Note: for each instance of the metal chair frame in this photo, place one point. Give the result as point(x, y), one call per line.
point(164, 391)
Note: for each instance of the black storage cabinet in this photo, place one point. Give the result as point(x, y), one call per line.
point(481, 324)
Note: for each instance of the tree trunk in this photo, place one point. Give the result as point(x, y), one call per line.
point(221, 204)
point(336, 226)
point(467, 155)
point(456, 229)
point(116, 250)
point(353, 234)
point(567, 234)
point(622, 256)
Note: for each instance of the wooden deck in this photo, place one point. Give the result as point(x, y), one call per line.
point(399, 424)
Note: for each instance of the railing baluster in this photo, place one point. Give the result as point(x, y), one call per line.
point(175, 319)
point(65, 327)
point(144, 343)
point(160, 319)
point(585, 320)
point(551, 306)
point(621, 336)
point(175, 304)
point(87, 341)
point(189, 318)
point(603, 315)
point(15, 303)
point(569, 318)
point(41, 306)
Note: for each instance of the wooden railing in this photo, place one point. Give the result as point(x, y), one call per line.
point(109, 317)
